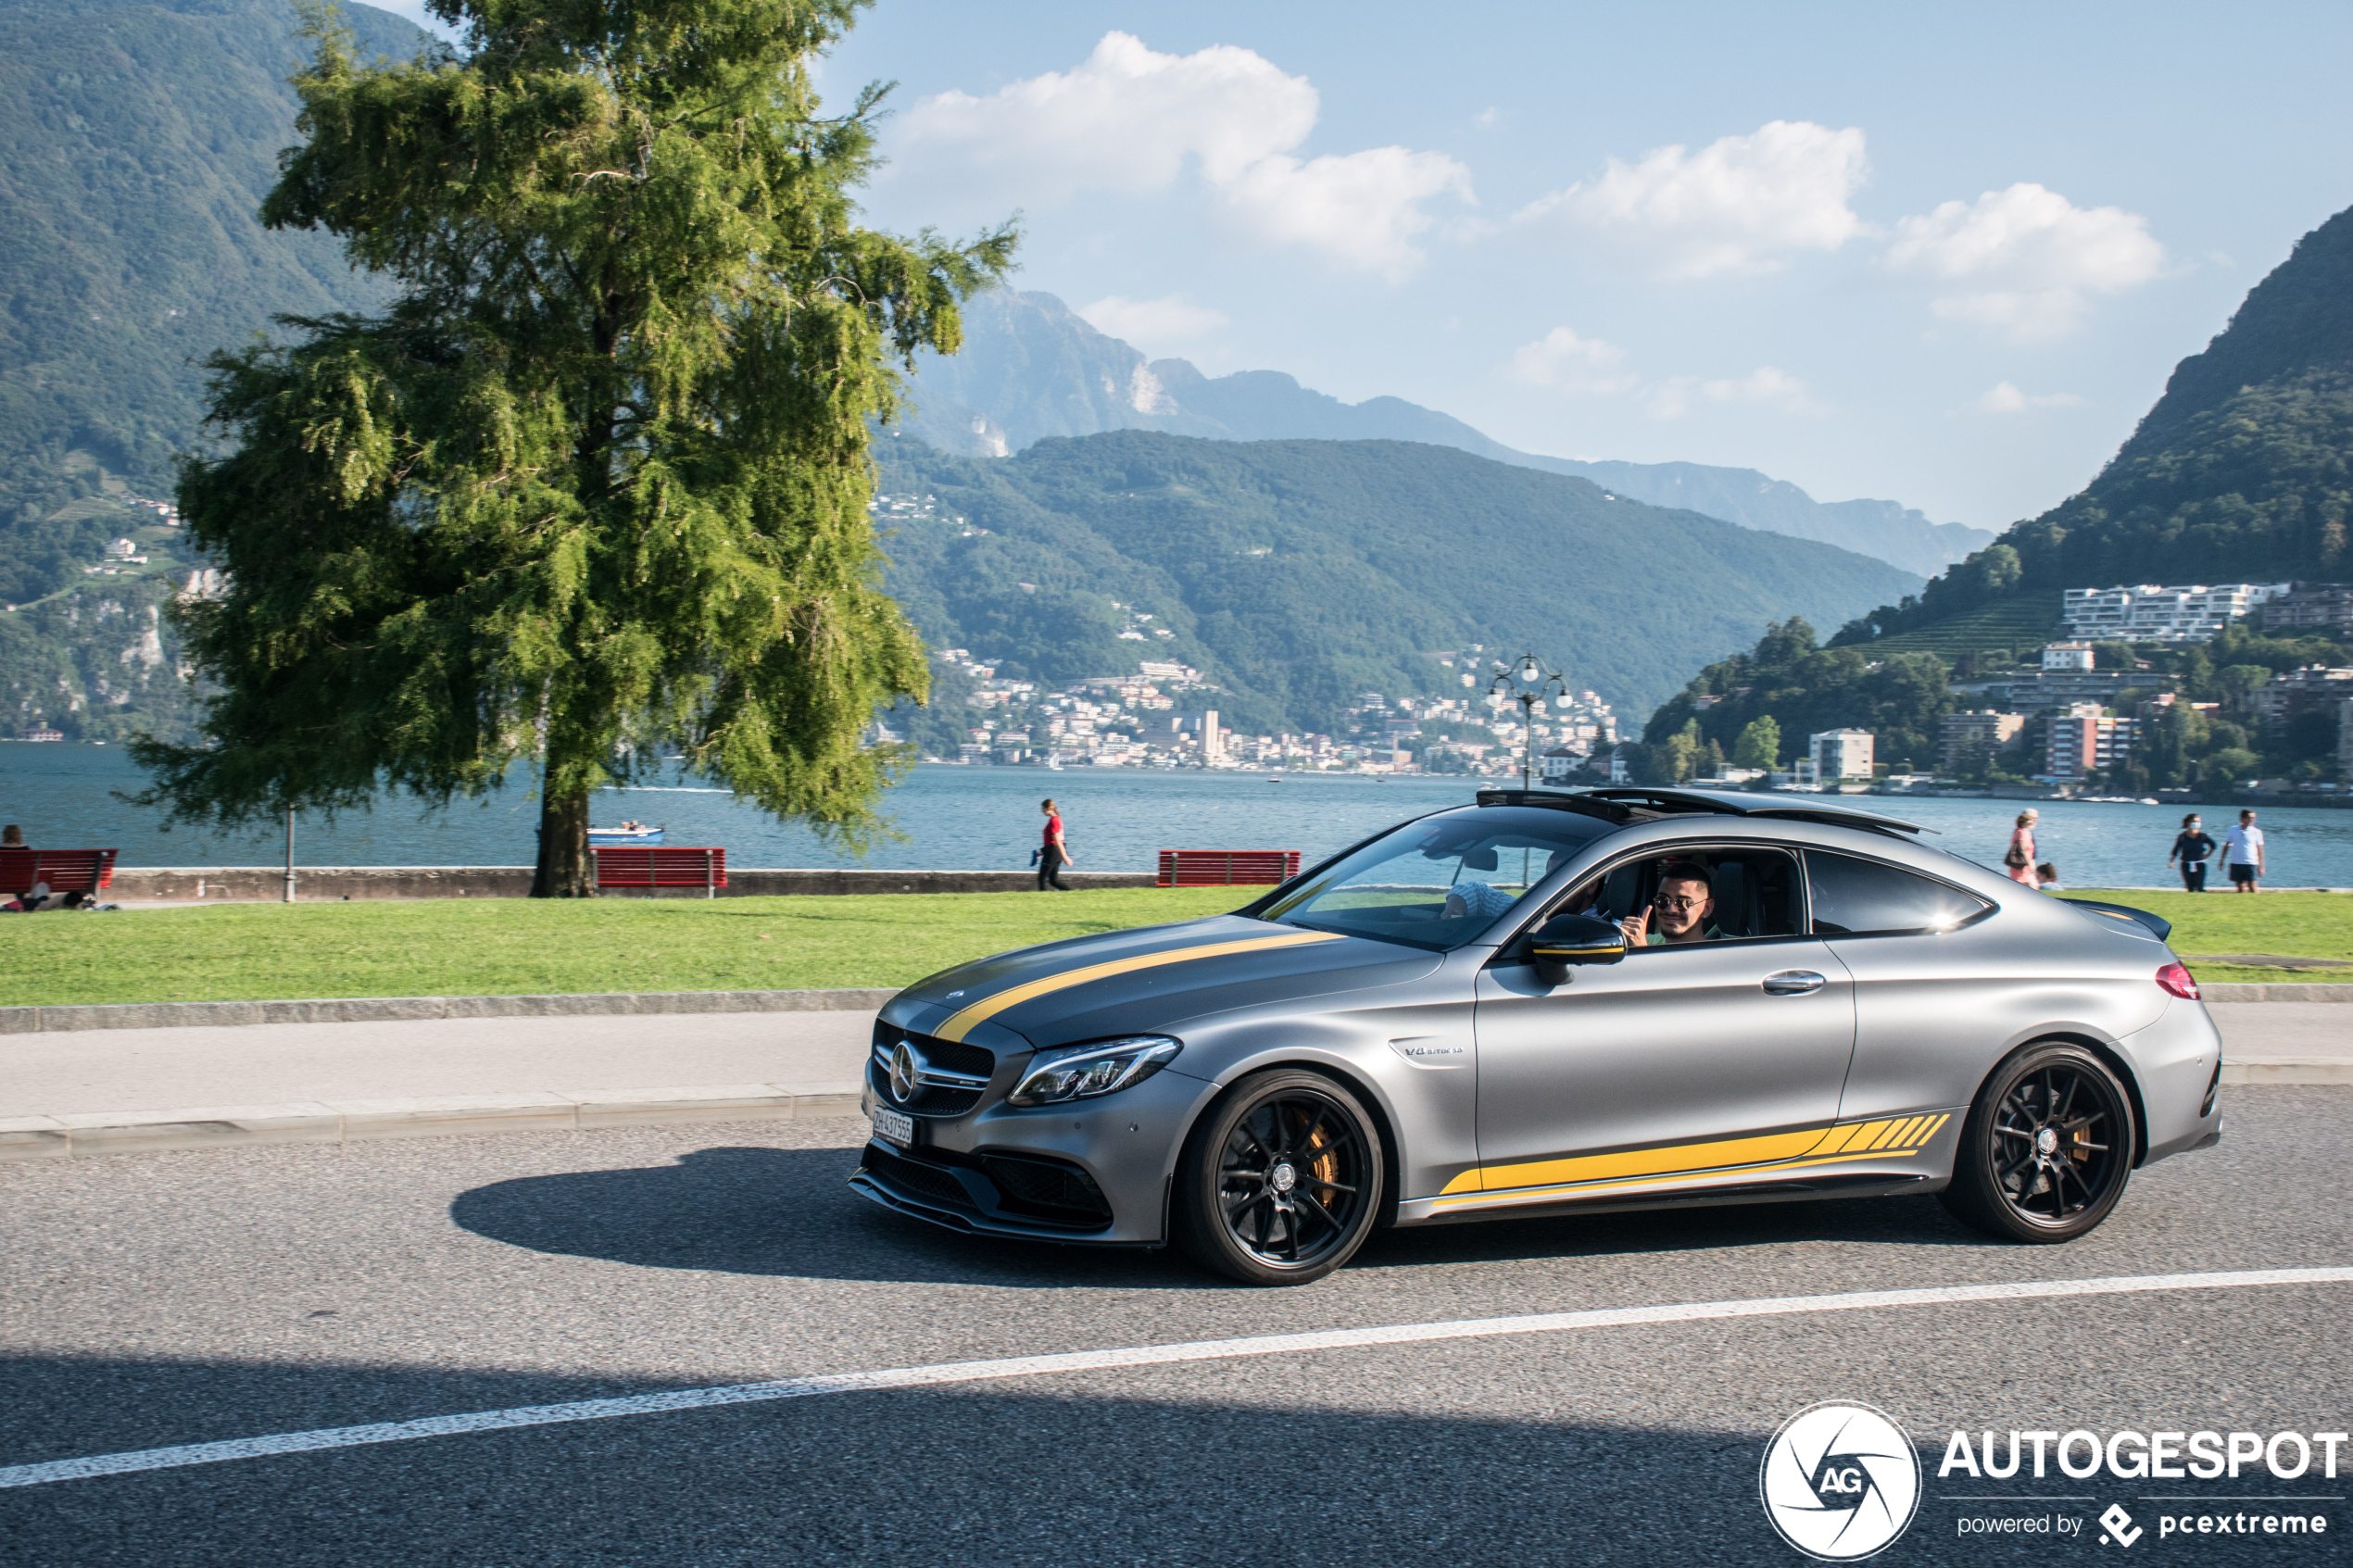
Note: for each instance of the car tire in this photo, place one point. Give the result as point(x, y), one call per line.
point(1281, 1182)
point(2048, 1147)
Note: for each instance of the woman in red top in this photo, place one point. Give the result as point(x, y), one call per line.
point(1054, 854)
point(2019, 862)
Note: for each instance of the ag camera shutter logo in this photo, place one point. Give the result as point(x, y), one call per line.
point(1840, 1482)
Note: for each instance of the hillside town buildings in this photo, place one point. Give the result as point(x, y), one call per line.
point(2150, 613)
point(1161, 717)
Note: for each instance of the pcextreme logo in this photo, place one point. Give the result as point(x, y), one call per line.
point(1840, 1481)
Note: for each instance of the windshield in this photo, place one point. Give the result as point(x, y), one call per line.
point(1438, 882)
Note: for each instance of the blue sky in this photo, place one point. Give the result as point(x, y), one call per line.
point(1942, 255)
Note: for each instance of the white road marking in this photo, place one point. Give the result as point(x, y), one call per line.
point(1139, 1355)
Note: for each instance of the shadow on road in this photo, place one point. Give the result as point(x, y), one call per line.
point(789, 1212)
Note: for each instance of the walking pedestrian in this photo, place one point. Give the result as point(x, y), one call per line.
point(2192, 848)
point(2019, 862)
point(2242, 852)
point(1054, 854)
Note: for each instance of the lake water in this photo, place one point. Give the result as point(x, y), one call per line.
point(970, 819)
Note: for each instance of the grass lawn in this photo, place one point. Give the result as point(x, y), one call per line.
point(511, 946)
point(506, 947)
point(2302, 926)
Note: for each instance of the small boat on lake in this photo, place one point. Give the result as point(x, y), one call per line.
point(627, 833)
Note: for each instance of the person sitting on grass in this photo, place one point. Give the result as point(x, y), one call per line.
point(2046, 877)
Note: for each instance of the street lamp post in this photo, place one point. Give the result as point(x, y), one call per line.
point(1527, 682)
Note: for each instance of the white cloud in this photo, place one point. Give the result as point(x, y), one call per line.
point(1364, 206)
point(1564, 360)
point(1763, 387)
point(2024, 261)
point(1130, 119)
point(1742, 204)
point(1561, 358)
point(1170, 319)
point(2004, 397)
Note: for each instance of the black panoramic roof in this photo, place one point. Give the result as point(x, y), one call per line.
point(1642, 803)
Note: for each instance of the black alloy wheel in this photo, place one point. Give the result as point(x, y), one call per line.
point(2048, 1147)
point(1281, 1182)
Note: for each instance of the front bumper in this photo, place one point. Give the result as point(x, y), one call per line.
point(1095, 1172)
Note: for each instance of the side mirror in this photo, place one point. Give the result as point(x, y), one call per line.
point(1564, 940)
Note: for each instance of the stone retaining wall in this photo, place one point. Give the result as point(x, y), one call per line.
point(327, 884)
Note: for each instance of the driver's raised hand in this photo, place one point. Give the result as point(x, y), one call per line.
point(1637, 928)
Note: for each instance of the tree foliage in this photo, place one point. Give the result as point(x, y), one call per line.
point(595, 483)
point(1799, 689)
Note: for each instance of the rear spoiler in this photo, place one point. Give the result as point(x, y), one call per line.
point(2158, 927)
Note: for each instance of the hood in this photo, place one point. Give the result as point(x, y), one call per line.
point(1149, 979)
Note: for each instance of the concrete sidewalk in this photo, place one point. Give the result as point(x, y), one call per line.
point(109, 1091)
point(118, 1090)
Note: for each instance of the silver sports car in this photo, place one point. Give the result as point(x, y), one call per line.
point(1549, 1003)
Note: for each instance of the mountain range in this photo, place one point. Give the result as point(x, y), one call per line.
point(1033, 368)
point(142, 137)
point(2243, 472)
point(1297, 574)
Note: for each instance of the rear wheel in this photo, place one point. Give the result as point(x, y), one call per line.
point(2048, 1147)
point(1281, 1183)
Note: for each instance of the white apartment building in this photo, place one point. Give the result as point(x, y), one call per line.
point(2067, 656)
point(2149, 613)
point(1840, 754)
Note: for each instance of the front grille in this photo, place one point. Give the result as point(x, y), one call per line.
point(954, 1055)
point(1048, 1188)
point(915, 1176)
point(946, 1056)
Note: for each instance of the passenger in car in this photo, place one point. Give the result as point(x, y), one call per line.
point(1681, 911)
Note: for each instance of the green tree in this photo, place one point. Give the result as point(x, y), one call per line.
point(595, 485)
point(1759, 745)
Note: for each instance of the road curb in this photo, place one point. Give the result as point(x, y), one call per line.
point(85, 1135)
point(378, 1009)
point(2274, 991)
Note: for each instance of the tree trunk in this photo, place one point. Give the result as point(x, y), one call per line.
point(566, 868)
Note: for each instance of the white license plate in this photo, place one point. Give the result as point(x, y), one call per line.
point(893, 1126)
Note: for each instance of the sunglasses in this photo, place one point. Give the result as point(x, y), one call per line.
point(1663, 902)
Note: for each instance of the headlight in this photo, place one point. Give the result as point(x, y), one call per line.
point(1083, 1071)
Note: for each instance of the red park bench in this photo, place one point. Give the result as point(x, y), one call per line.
point(1226, 868)
point(65, 870)
point(625, 866)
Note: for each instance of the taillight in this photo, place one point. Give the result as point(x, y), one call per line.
point(2178, 979)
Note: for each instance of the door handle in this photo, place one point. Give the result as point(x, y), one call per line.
point(1793, 982)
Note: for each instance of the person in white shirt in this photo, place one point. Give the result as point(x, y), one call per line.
point(2243, 851)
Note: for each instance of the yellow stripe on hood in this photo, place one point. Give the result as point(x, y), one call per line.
point(963, 1022)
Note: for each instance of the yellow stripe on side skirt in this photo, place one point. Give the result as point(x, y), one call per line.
point(1886, 1137)
point(964, 1020)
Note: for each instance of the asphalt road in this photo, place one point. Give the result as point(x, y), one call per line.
point(189, 1297)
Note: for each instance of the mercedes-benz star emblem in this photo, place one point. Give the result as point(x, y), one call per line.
point(1282, 1178)
point(903, 1072)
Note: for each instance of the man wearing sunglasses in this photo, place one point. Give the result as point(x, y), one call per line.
point(1680, 913)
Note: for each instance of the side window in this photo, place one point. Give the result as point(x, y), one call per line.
point(1855, 897)
point(1706, 893)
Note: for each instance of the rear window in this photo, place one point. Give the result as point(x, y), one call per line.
point(1851, 896)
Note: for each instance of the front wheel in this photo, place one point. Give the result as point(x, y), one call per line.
point(2046, 1149)
point(1281, 1183)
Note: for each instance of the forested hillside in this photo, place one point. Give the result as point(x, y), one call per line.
point(2242, 472)
point(1032, 368)
point(1299, 573)
point(140, 139)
